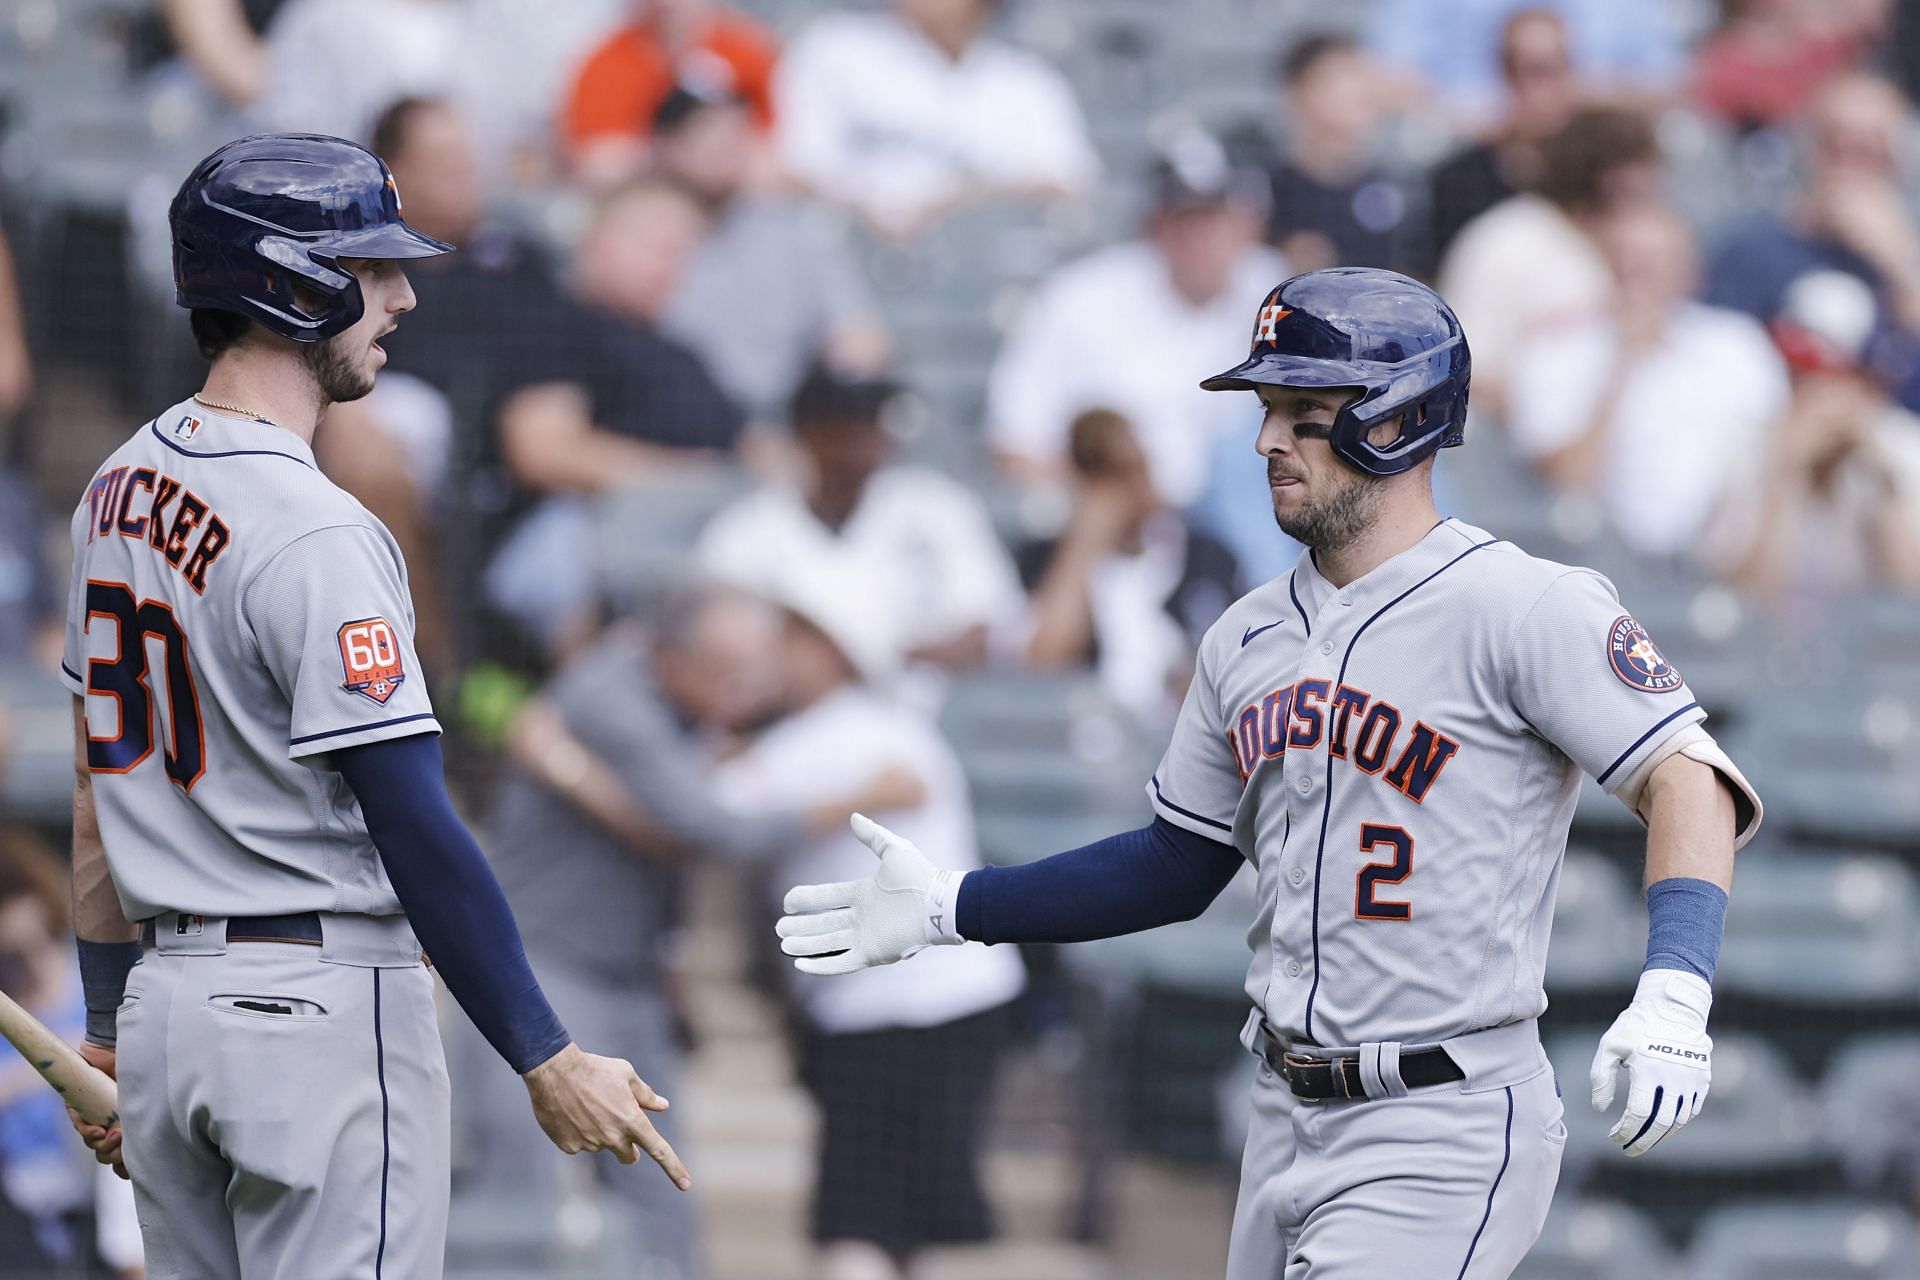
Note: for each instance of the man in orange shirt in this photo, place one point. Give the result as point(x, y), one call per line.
point(609, 112)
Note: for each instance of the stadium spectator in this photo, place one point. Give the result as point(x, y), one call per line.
point(55, 1209)
point(608, 795)
point(32, 600)
point(1129, 588)
point(619, 403)
point(1529, 263)
point(901, 1064)
point(334, 65)
point(786, 264)
point(16, 363)
point(1332, 203)
point(1769, 57)
point(1634, 48)
point(1536, 69)
point(610, 110)
point(920, 545)
point(1131, 327)
point(1851, 215)
point(905, 115)
point(1832, 502)
point(1596, 404)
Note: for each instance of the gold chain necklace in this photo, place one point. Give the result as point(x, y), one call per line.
point(231, 408)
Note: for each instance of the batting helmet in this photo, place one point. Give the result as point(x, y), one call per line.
point(266, 213)
point(1390, 337)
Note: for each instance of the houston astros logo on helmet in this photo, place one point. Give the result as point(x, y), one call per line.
point(1636, 659)
point(1270, 315)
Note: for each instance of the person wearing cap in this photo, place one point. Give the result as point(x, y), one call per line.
point(921, 545)
point(904, 115)
point(786, 263)
point(1641, 405)
point(900, 1060)
point(607, 797)
point(1831, 503)
point(1132, 327)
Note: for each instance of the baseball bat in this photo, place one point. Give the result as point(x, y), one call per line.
point(86, 1088)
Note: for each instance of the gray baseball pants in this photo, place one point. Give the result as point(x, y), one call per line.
point(309, 1144)
point(1451, 1181)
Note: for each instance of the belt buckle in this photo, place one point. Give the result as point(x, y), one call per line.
point(1293, 1067)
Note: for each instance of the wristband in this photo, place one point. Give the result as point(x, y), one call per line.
point(1685, 918)
point(943, 908)
point(104, 967)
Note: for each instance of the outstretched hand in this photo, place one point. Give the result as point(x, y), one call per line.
point(904, 906)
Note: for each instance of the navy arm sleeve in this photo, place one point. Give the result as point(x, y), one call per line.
point(451, 896)
point(1158, 874)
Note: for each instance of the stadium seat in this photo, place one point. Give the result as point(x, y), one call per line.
point(1799, 1240)
point(1870, 1097)
point(1597, 1240)
point(1833, 927)
point(1838, 764)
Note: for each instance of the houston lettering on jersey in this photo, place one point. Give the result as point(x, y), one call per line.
point(1357, 727)
point(147, 506)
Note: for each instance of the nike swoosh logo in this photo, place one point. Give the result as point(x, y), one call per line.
point(1254, 631)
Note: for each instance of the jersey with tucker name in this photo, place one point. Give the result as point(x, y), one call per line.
point(233, 617)
point(1400, 759)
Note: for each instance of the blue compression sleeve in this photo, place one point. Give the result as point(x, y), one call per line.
point(1136, 880)
point(451, 896)
point(1685, 918)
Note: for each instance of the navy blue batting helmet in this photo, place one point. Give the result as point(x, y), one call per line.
point(266, 213)
point(1379, 332)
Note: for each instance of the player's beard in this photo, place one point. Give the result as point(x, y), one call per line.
point(1337, 520)
point(337, 374)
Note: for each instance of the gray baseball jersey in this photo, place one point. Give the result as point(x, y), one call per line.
point(1400, 759)
point(234, 616)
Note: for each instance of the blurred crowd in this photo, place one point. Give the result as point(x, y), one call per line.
point(703, 537)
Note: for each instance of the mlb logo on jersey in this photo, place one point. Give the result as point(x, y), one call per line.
point(186, 428)
point(1637, 660)
point(371, 657)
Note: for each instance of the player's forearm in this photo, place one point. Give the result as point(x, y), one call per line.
point(1690, 823)
point(450, 896)
point(1137, 880)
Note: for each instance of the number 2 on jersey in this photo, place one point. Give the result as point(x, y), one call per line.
point(124, 678)
point(1393, 871)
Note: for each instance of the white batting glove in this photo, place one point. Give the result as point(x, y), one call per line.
point(1663, 1043)
point(906, 905)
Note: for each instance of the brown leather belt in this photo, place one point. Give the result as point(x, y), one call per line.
point(1337, 1078)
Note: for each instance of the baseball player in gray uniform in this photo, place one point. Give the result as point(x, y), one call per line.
point(263, 840)
point(1393, 735)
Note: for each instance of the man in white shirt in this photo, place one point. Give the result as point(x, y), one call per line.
point(1643, 404)
point(899, 1060)
point(902, 115)
point(1131, 327)
point(920, 546)
point(1530, 262)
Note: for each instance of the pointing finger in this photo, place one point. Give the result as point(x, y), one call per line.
point(807, 898)
point(663, 1154)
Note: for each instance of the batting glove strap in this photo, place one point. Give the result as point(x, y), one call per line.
point(1662, 1042)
